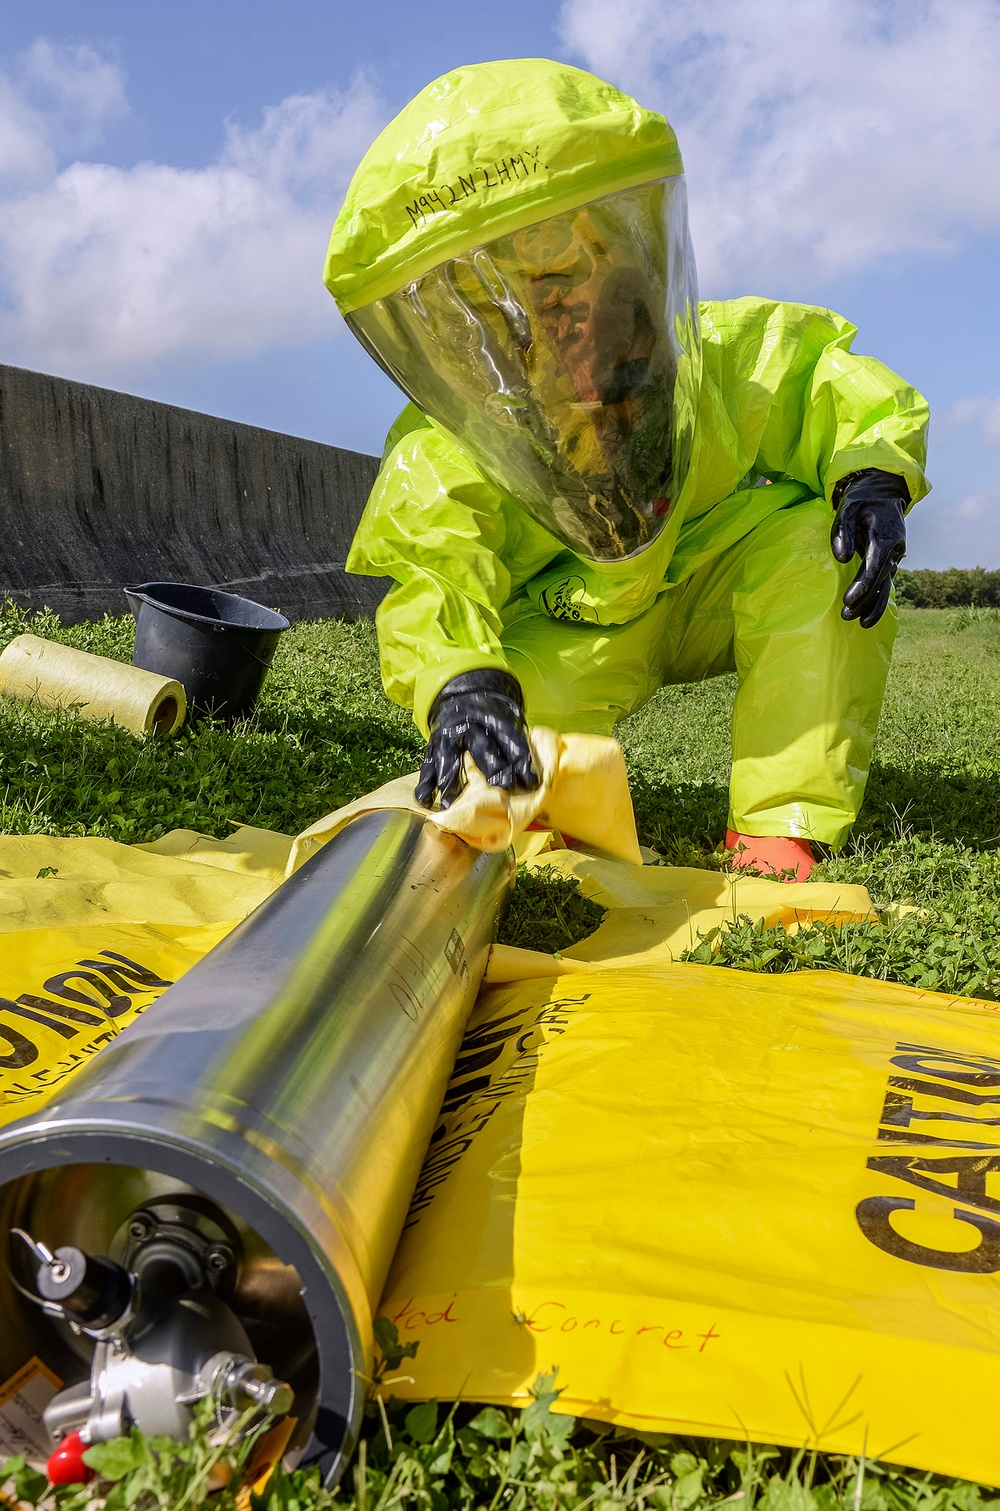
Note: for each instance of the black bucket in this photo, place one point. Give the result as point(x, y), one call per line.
point(218, 646)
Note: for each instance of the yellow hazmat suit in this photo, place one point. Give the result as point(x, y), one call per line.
point(733, 568)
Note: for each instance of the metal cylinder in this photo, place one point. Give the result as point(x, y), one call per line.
point(292, 1078)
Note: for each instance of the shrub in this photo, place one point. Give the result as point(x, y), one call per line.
point(954, 588)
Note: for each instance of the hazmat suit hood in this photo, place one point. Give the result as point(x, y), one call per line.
point(513, 250)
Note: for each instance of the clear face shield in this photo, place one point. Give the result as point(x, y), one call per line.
point(565, 358)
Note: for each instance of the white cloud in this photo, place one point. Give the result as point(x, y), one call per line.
point(108, 271)
point(978, 506)
point(54, 97)
point(984, 414)
point(821, 136)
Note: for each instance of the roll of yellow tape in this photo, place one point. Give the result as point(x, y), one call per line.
point(58, 676)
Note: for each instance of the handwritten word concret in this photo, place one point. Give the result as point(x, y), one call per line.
point(555, 1316)
point(505, 170)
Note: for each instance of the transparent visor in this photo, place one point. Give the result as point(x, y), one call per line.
point(565, 359)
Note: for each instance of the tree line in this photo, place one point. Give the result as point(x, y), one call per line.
point(954, 588)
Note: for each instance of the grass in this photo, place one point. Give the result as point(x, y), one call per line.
point(929, 837)
point(324, 733)
point(471, 1458)
point(929, 833)
point(547, 912)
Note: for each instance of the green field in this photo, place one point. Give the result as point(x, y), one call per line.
point(929, 833)
point(928, 836)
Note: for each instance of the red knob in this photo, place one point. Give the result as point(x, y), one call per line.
point(66, 1466)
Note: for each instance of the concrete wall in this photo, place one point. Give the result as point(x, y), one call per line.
point(99, 490)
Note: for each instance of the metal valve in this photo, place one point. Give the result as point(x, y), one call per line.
point(96, 1293)
point(246, 1384)
point(164, 1338)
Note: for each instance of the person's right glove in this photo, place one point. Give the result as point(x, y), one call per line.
point(870, 523)
point(480, 712)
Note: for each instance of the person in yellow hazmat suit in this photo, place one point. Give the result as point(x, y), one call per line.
point(599, 485)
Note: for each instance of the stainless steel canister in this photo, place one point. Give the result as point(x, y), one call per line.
point(291, 1079)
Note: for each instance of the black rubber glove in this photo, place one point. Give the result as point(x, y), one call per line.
point(870, 523)
point(482, 713)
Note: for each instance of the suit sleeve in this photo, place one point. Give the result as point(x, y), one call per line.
point(436, 526)
point(833, 412)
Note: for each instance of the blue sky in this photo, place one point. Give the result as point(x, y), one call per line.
point(168, 176)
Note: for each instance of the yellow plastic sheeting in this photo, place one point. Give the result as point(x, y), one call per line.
point(718, 1202)
point(66, 903)
point(182, 880)
point(66, 992)
point(250, 852)
point(760, 1207)
point(92, 932)
point(583, 790)
point(658, 912)
point(60, 676)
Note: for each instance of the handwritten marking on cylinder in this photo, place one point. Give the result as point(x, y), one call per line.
point(410, 988)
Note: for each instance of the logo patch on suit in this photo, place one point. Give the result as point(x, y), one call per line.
point(557, 601)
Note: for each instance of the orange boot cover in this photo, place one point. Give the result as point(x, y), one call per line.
point(771, 855)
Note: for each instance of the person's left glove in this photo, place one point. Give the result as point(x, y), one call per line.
point(870, 523)
point(480, 712)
